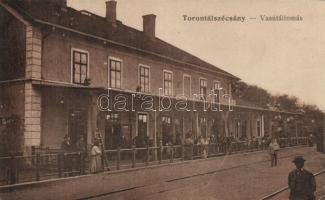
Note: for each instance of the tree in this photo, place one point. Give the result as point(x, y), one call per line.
point(287, 103)
point(251, 94)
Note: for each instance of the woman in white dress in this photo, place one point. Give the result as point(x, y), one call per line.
point(96, 158)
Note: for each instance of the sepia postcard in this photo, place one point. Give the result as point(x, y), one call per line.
point(162, 99)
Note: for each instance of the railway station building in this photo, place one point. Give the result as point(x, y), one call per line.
point(67, 72)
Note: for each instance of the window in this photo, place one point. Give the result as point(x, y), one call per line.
point(258, 128)
point(168, 83)
point(216, 91)
point(144, 78)
point(203, 88)
point(187, 86)
point(113, 117)
point(115, 73)
point(79, 66)
point(166, 120)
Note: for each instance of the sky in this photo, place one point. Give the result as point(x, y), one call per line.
point(283, 57)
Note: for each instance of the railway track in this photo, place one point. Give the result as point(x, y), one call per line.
point(108, 194)
point(322, 198)
point(278, 192)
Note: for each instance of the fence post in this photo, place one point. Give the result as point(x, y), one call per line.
point(118, 158)
point(13, 170)
point(172, 156)
point(59, 161)
point(37, 167)
point(160, 153)
point(82, 163)
point(33, 153)
point(133, 156)
point(183, 152)
point(147, 154)
point(47, 158)
point(229, 148)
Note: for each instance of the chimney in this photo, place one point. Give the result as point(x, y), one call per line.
point(149, 26)
point(111, 11)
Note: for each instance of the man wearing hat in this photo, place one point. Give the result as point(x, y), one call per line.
point(301, 182)
point(66, 147)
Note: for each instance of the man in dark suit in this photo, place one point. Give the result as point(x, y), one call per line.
point(301, 182)
point(66, 147)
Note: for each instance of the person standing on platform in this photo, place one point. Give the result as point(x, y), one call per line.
point(169, 150)
point(80, 159)
point(67, 149)
point(188, 147)
point(273, 151)
point(96, 158)
point(301, 182)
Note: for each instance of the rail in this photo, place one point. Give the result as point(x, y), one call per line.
point(286, 188)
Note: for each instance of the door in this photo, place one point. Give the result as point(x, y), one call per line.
point(112, 131)
point(237, 128)
point(126, 133)
point(166, 129)
point(244, 129)
point(203, 127)
point(142, 125)
point(77, 125)
point(112, 135)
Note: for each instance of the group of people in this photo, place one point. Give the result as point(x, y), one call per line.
point(74, 162)
point(203, 146)
point(75, 156)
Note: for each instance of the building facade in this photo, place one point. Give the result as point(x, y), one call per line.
point(68, 72)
